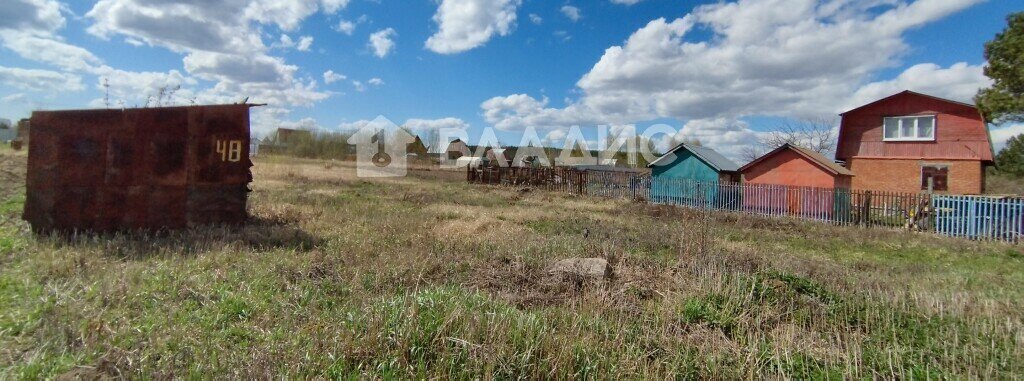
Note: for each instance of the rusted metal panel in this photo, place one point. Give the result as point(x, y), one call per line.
point(152, 168)
point(212, 203)
point(220, 147)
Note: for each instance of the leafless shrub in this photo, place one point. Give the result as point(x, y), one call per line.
point(817, 134)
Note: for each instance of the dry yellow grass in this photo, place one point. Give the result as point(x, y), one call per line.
point(429, 277)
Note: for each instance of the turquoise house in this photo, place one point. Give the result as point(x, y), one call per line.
point(691, 175)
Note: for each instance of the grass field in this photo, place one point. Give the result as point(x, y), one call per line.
point(429, 277)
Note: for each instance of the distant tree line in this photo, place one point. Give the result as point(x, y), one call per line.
point(321, 145)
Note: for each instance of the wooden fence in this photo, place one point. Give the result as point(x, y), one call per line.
point(612, 184)
point(975, 217)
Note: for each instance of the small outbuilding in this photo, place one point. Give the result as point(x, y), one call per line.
point(690, 171)
point(796, 166)
point(796, 181)
point(693, 162)
point(456, 149)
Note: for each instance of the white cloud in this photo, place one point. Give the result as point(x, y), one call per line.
point(332, 6)
point(382, 42)
point(15, 98)
point(769, 57)
point(435, 124)
point(534, 18)
point(308, 124)
point(519, 111)
point(468, 24)
point(49, 50)
point(238, 68)
point(361, 86)
point(31, 16)
point(784, 58)
point(346, 27)
point(959, 82)
point(40, 80)
point(1003, 133)
point(625, 2)
point(220, 42)
point(730, 137)
point(127, 88)
point(555, 136)
point(285, 42)
point(330, 77)
point(352, 126)
point(305, 42)
point(29, 28)
point(571, 12)
point(285, 14)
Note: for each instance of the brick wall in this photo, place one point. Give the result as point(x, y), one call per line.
point(904, 175)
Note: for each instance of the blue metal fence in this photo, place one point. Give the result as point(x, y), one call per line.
point(833, 205)
point(980, 217)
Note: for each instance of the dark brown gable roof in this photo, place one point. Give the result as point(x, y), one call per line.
point(814, 157)
point(908, 92)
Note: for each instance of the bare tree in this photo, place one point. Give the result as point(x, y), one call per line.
point(816, 134)
point(432, 139)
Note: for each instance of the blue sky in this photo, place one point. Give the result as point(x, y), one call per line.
point(721, 72)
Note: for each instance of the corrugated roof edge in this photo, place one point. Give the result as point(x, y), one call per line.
point(814, 157)
point(904, 92)
point(720, 163)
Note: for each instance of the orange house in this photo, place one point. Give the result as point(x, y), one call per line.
point(912, 142)
point(796, 166)
point(794, 180)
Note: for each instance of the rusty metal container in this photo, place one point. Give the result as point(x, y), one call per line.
point(147, 168)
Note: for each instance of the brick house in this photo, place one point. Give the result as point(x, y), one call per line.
point(910, 142)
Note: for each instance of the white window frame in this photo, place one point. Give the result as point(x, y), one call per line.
point(917, 132)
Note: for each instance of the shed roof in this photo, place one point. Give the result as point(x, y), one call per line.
point(908, 92)
point(813, 156)
point(606, 168)
point(711, 157)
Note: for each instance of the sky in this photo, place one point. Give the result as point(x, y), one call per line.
point(721, 72)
